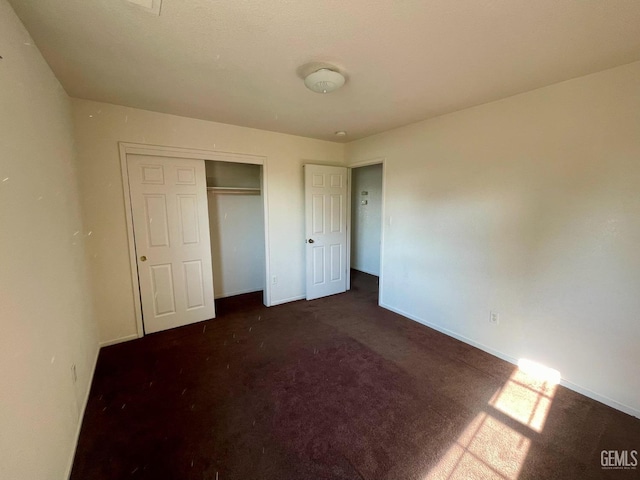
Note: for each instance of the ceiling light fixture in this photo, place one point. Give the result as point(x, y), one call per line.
point(324, 81)
point(341, 133)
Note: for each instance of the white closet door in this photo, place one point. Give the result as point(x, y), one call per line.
point(171, 229)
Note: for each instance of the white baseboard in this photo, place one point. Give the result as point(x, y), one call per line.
point(564, 382)
point(453, 334)
point(83, 408)
point(600, 398)
point(239, 292)
point(287, 300)
point(106, 343)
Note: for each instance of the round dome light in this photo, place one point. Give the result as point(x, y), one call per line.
point(324, 81)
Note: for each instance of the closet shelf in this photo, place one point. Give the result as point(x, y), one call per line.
point(235, 190)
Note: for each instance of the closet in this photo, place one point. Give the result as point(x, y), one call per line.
point(236, 225)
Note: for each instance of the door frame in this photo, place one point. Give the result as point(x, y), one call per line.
point(365, 163)
point(127, 148)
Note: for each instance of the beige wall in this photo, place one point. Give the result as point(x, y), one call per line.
point(529, 207)
point(46, 319)
point(99, 127)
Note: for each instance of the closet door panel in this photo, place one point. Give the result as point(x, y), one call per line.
point(170, 216)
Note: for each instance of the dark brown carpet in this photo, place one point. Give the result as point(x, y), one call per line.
point(335, 388)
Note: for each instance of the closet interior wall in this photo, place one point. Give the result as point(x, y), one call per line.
point(236, 224)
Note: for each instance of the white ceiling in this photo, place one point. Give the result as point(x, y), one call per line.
point(238, 61)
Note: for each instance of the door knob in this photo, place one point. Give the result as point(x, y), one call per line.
point(311, 240)
point(143, 258)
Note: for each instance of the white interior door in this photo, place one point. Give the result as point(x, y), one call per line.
point(171, 230)
point(326, 230)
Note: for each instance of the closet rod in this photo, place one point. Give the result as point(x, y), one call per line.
point(235, 190)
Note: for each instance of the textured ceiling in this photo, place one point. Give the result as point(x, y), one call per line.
point(238, 61)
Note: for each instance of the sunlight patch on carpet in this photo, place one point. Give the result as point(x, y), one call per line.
point(488, 447)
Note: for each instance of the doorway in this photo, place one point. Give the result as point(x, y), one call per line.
point(366, 219)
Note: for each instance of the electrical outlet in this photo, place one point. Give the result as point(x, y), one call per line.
point(494, 318)
point(274, 280)
point(74, 373)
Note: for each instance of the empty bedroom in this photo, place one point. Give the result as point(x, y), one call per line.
point(366, 240)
